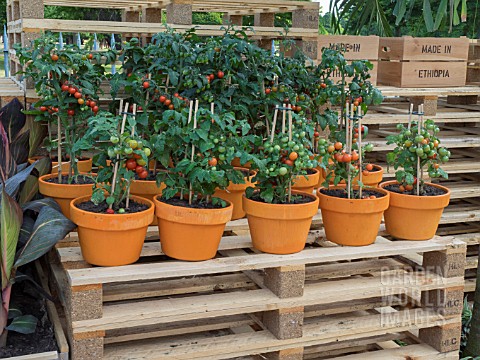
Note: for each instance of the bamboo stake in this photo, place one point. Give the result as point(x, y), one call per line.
point(284, 115)
point(290, 125)
point(190, 111)
point(274, 123)
point(419, 126)
point(347, 116)
point(132, 133)
point(410, 117)
point(360, 175)
point(115, 169)
point(59, 149)
point(190, 193)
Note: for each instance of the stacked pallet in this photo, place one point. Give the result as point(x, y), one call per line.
point(324, 302)
point(457, 113)
point(10, 90)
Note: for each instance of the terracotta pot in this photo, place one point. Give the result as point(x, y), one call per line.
point(373, 178)
point(84, 165)
point(234, 193)
point(236, 163)
point(306, 184)
point(352, 222)
point(190, 234)
point(111, 240)
point(280, 228)
point(148, 190)
point(412, 217)
point(63, 194)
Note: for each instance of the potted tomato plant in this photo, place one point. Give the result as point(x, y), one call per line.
point(112, 224)
point(67, 81)
point(191, 220)
point(351, 214)
point(416, 206)
point(279, 218)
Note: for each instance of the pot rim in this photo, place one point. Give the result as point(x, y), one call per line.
point(392, 182)
point(230, 205)
point(382, 191)
point(105, 216)
point(49, 176)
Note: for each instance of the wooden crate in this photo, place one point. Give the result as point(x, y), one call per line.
point(246, 303)
point(408, 48)
point(473, 67)
point(422, 73)
point(354, 47)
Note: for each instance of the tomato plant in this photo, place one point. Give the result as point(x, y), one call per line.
point(417, 147)
point(68, 83)
point(120, 156)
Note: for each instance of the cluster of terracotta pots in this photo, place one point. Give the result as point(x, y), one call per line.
point(195, 234)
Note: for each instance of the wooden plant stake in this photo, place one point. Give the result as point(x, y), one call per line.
point(132, 133)
point(419, 126)
point(410, 113)
point(59, 149)
point(360, 175)
point(190, 111)
point(190, 193)
point(284, 115)
point(290, 124)
point(115, 169)
point(274, 124)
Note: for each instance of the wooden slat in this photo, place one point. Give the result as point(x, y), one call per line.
point(119, 316)
point(417, 352)
point(314, 333)
point(51, 355)
point(170, 269)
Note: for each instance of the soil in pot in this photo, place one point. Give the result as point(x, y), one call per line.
point(352, 222)
point(373, 178)
point(307, 183)
point(64, 193)
point(412, 217)
point(111, 239)
point(27, 300)
point(190, 232)
point(234, 193)
point(280, 228)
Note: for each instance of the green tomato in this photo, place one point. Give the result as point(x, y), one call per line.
point(419, 139)
point(291, 144)
point(408, 143)
point(283, 171)
point(430, 126)
point(133, 144)
point(111, 152)
point(272, 169)
point(412, 149)
point(442, 151)
point(222, 149)
point(147, 152)
point(121, 211)
point(213, 168)
point(426, 148)
point(139, 144)
point(141, 162)
point(296, 148)
point(127, 151)
point(419, 152)
point(285, 139)
point(215, 141)
point(369, 147)
point(407, 133)
point(445, 159)
point(114, 139)
point(221, 157)
point(118, 150)
point(277, 147)
point(110, 200)
point(322, 142)
point(222, 138)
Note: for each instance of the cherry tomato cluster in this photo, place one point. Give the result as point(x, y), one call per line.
point(76, 92)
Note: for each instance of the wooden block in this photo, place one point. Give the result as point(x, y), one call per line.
point(354, 47)
point(446, 264)
point(152, 15)
point(424, 49)
point(286, 281)
point(179, 12)
point(310, 48)
point(305, 18)
point(32, 9)
point(264, 19)
point(87, 348)
point(285, 323)
point(287, 354)
point(446, 301)
point(462, 100)
point(130, 16)
point(422, 73)
point(85, 302)
point(234, 19)
point(430, 104)
point(442, 338)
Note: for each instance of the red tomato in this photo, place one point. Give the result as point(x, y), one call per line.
point(146, 85)
point(95, 109)
point(71, 112)
point(65, 87)
point(268, 91)
point(77, 95)
point(220, 74)
point(212, 162)
point(72, 90)
point(139, 169)
point(43, 108)
point(143, 174)
point(162, 99)
point(131, 164)
point(167, 102)
point(369, 167)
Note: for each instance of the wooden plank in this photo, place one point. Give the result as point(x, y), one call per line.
point(354, 47)
point(172, 269)
point(118, 316)
point(417, 352)
point(426, 91)
point(51, 355)
point(314, 333)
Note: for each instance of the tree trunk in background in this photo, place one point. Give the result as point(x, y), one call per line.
point(473, 343)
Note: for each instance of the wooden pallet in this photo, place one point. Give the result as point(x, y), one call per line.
point(246, 303)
